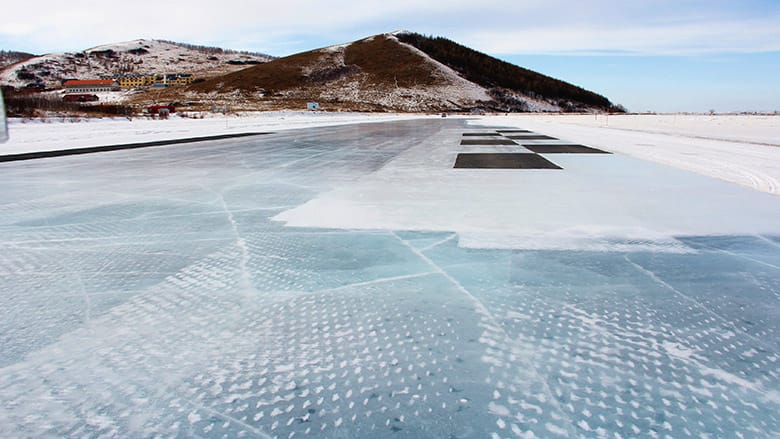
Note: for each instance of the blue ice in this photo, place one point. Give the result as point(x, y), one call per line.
point(149, 293)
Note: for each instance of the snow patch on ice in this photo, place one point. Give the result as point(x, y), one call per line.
point(677, 350)
point(729, 378)
point(554, 429)
point(193, 418)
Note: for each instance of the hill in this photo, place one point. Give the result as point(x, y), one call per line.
point(498, 75)
point(137, 56)
point(396, 72)
point(374, 74)
point(8, 58)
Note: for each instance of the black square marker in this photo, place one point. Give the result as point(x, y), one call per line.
point(532, 137)
point(487, 142)
point(503, 161)
point(552, 148)
point(480, 134)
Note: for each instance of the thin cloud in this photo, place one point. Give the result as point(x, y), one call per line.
point(749, 36)
point(493, 26)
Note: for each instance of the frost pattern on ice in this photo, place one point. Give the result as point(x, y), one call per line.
point(126, 311)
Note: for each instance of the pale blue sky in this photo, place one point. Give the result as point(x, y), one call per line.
point(658, 55)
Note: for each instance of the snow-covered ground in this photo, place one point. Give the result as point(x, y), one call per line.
point(739, 128)
point(66, 133)
point(739, 149)
point(598, 202)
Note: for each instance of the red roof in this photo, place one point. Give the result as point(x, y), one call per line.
point(88, 82)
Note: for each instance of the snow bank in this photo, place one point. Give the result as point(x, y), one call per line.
point(739, 149)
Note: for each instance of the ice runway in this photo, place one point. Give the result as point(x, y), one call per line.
point(160, 292)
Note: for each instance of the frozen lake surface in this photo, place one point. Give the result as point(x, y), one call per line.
point(347, 282)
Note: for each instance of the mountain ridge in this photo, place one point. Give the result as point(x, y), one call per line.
point(399, 71)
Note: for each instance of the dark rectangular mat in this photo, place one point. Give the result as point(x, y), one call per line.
point(513, 131)
point(487, 142)
point(532, 137)
point(552, 148)
point(503, 161)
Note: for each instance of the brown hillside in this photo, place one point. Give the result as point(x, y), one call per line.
point(377, 61)
point(375, 74)
point(277, 75)
point(387, 62)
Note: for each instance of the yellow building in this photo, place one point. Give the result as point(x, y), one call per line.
point(169, 79)
point(135, 81)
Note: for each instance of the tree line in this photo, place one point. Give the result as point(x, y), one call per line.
point(213, 50)
point(490, 72)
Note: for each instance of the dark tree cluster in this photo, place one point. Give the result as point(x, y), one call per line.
point(493, 73)
point(240, 62)
point(213, 50)
point(506, 101)
point(8, 57)
point(108, 53)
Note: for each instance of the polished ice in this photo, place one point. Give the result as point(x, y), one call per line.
point(155, 292)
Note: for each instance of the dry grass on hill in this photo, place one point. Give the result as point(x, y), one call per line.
point(274, 76)
point(379, 62)
point(386, 62)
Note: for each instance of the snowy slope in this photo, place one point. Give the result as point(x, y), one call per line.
point(464, 87)
point(447, 88)
point(131, 57)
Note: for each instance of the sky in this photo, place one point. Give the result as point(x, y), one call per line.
point(648, 55)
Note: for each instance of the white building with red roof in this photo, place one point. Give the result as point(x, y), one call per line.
point(90, 85)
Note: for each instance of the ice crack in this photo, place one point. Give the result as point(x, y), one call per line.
point(494, 323)
point(245, 277)
point(664, 284)
point(226, 417)
point(438, 243)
